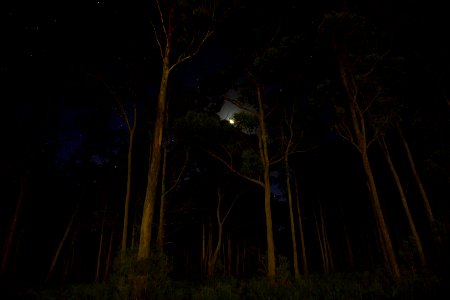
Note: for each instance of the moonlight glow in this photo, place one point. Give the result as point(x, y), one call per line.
point(231, 121)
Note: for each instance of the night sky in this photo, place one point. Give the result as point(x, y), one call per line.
point(65, 64)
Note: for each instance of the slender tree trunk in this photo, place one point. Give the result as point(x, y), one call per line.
point(244, 258)
point(109, 257)
point(203, 257)
point(291, 217)
point(357, 134)
point(13, 227)
point(213, 259)
point(70, 259)
point(324, 243)
point(264, 155)
point(302, 235)
point(61, 243)
point(423, 193)
point(405, 205)
point(128, 192)
point(238, 254)
point(348, 244)
point(155, 162)
point(100, 248)
point(391, 260)
point(162, 208)
point(327, 247)
point(323, 252)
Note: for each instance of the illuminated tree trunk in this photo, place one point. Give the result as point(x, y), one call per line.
point(162, 206)
point(109, 257)
point(264, 155)
point(356, 133)
point(291, 217)
point(405, 205)
point(325, 249)
point(100, 247)
point(155, 162)
point(264, 183)
point(386, 242)
point(426, 202)
point(164, 40)
point(302, 235)
point(212, 259)
point(131, 129)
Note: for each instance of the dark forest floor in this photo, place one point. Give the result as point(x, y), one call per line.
point(334, 286)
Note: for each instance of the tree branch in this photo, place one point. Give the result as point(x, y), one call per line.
point(232, 169)
point(179, 175)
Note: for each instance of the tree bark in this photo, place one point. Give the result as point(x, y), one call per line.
point(155, 162)
point(131, 130)
point(162, 208)
point(423, 193)
point(389, 256)
point(302, 235)
point(264, 156)
point(100, 248)
point(212, 258)
point(109, 257)
point(405, 205)
point(291, 217)
point(358, 136)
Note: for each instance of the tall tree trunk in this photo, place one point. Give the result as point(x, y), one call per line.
point(230, 254)
point(264, 183)
point(131, 129)
point(100, 248)
point(61, 243)
point(324, 243)
point(203, 260)
point(109, 257)
point(348, 244)
point(323, 252)
point(13, 226)
point(423, 193)
point(71, 257)
point(390, 259)
point(264, 155)
point(302, 234)
point(212, 258)
point(357, 134)
point(155, 162)
point(162, 208)
point(405, 205)
point(238, 254)
point(164, 40)
point(291, 217)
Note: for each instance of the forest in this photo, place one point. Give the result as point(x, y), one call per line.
point(211, 149)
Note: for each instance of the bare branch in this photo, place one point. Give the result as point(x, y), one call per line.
point(162, 21)
point(229, 210)
point(376, 63)
point(175, 184)
point(232, 169)
point(158, 41)
point(183, 58)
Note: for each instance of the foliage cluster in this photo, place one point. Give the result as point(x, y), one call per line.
point(333, 286)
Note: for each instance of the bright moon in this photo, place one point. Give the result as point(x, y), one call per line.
point(231, 121)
